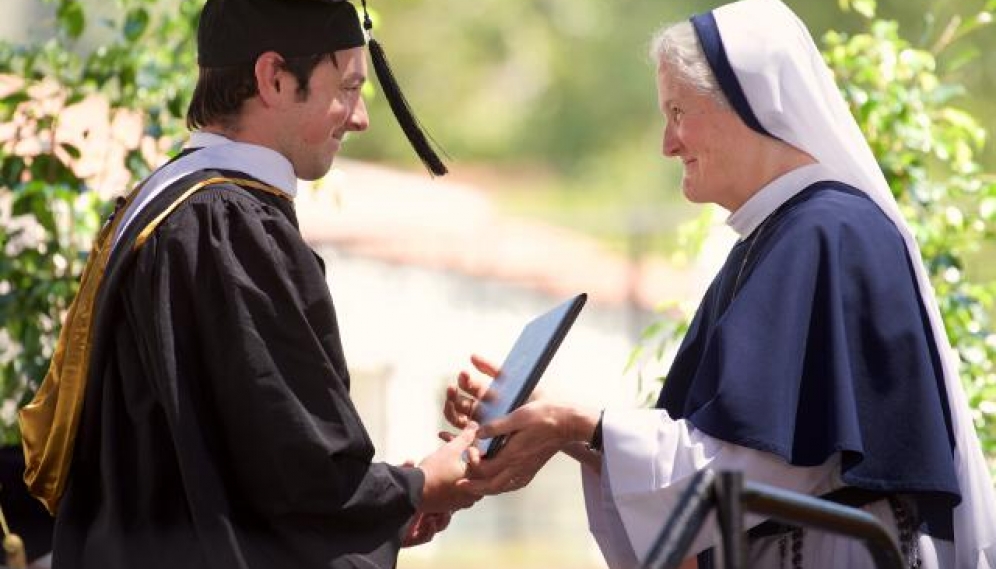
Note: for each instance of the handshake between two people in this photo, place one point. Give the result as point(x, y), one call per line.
point(457, 475)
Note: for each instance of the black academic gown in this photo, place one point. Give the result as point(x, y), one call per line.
point(813, 340)
point(217, 429)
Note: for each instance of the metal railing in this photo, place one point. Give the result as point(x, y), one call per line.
point(732, 498)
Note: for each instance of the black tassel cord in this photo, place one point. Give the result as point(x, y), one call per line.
point(399, 105)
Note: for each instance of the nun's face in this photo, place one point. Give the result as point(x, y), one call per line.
point(709, 138)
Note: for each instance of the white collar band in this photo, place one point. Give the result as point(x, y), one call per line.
point(771, 197)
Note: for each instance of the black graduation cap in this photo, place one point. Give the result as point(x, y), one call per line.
point(232, 32)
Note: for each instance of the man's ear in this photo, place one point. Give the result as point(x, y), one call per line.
point(273, 83)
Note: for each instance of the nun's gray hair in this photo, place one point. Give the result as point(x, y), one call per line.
point(676, 47)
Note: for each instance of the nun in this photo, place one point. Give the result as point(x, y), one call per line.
point(817, 361)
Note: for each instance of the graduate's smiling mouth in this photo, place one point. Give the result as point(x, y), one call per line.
point(341, 138)
point(337, 141)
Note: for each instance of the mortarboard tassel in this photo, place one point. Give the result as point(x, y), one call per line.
point(399, 105)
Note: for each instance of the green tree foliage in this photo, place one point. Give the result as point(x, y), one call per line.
point(49, 209)
point(928, 149)
point(564, 84)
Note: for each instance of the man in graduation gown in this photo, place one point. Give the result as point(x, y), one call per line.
point(197, 413)
point(817, 361)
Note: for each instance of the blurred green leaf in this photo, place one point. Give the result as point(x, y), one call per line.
point(71, 18)
point(49, 168)
point(137, 164)
point(71, 150)
point(135, 24)
point(864, 7)
point(14, 99)
point(11, 169)
point(176, 106)
point(30, 200)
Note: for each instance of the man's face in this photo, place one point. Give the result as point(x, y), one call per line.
point(317, 125)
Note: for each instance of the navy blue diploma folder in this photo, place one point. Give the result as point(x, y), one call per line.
point(524, 365)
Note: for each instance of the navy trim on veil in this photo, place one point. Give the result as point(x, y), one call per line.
point(715, 53)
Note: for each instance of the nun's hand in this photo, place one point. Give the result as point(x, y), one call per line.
point(535, 432)
point(462, 399)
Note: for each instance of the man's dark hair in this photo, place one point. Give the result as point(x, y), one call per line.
point(220, 91)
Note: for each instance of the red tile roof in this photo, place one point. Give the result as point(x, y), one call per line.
point(414, 219)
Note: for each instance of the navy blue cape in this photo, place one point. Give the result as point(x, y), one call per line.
point(813, 340)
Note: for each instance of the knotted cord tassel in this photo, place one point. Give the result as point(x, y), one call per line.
point(399, 105)
point(402, 111)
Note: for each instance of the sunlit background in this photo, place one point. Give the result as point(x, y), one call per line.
point(547, 111)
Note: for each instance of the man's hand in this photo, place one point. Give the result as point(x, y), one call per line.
point(445, 471)
point(463, 398)
point(424, 527)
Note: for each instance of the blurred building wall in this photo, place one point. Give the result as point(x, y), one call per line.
point(425, 272)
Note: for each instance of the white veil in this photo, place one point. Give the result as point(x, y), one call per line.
point(793, 95)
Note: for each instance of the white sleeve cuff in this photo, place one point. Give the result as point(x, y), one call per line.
point(604, 522)
point(649, 459)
